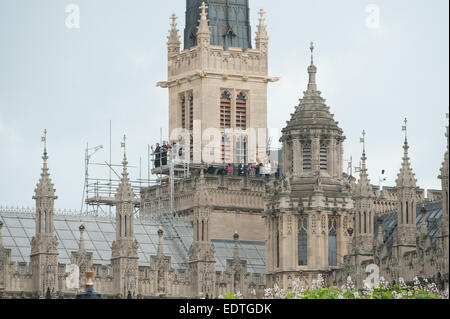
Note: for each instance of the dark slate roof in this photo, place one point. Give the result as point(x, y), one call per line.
point(253, 252)
point(228, 19)
point(433, 216)
point(19, 228)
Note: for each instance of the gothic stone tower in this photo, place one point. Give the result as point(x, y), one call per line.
point(406, 231)
point(308, 213)
point(218, 84)
point(44, 245)
point(124, 259)
point(362, 246)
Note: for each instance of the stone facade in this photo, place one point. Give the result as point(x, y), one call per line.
point(313, 219)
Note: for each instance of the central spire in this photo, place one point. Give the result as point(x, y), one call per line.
point(312, 70)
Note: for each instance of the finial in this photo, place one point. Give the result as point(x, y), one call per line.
point(261, 16)
point(312, 52)
point(203, 14)
point(160, 231)
point(124, 146)
point(44, 140)
point(363, 141)
point(405, 129)
point(174, 19)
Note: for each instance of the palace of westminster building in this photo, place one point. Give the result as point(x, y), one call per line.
point(231, 233)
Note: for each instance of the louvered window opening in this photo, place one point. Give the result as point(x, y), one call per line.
point(307, 157)
point(241, 112)
point(225, 110)
point(183, 112)
point(323, 158)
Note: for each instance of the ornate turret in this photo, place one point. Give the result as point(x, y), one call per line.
point(262, 39)
point(82, 258)
point(312, 205)
point(406, 231)
point(44, 245)
point(313, 133)
point(364, 212)
point(173, 43)
point(124, 258)
point(202, 263)
point(203, 31)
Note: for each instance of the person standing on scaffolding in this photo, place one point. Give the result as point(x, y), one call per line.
point(157, 154)
point(164, 151)
point(180, 146)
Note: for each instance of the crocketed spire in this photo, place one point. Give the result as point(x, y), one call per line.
point(262, 38)
point(125, 191)
point(45, 187)
point(203, 30)
point(406, 176)
point(312, 111)
point(363, 188)
point(173, 42)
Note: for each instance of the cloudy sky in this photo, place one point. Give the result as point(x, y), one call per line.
point(74, 81)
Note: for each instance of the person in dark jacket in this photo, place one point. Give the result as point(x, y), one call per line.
point(157, 153)
point(241, 169)
point(164, 151)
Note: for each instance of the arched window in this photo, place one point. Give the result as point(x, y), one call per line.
point(306, 157)
point(401, 212)
point(407, 213)
point(203, 230)
point(198, 229)
point(359, 228)
point(365, 223)
point(191, 112)
point(225, 110)
point(125, 226)
point(183, 111)
point(303, 242)
point(39, 221)
point(370, 222)
point(332, 242)
point(120, 226)
point(323, 158)
point(241, 111)
point(45, 221)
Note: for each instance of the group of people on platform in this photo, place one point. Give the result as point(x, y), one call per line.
point(161, 154)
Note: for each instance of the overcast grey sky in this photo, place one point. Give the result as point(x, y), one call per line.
point(74, 81)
